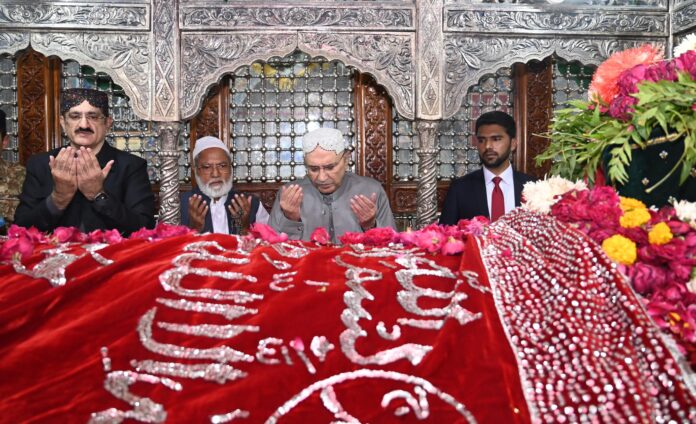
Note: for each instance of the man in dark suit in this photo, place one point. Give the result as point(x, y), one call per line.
point(494, 189)
point(87, 184)
point(213, 206)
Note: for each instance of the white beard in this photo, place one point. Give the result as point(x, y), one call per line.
point(213, 192)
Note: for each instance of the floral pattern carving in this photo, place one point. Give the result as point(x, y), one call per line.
point(388, 57)
point(469, 58)
point(607, 23)
point(206, 57)
point(166, 61)
point(684, 18)
point(84, 15)
point(125, 57)
point(430, 60)
point(13, 41)
point(264, 16)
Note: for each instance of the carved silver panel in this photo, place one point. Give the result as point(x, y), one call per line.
point(430, 61)
point(208, 56)
point(125, 57)
point(578, 21)
point(79, 15)
point(684, 18)
point(11, 42)
point(469, 58)
point(166, 66)
point(388, 57)
point(572, 3)
point(679, 3)
point(361, 15)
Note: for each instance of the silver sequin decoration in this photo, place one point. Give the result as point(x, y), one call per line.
point(51, 268)
point(219, 373)
point(230, 416)
point(228, 311)
point(420, 406)
point(317, 283)
point(93, 250)
point(209, 330)
point(277, 264)
point(279, 281)
point(320, 346)
point(332, 404)
point(383, 333)
point(289, 250)
point(222, 354)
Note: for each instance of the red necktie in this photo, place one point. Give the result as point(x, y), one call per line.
point(497, 200)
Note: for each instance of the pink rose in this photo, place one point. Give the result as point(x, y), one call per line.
point(380, 236)
point(431, 240)
point(20, 245)
point(320, 235)
point(266, 233)
point(351, 238)
point(452, 246)
point(67, 234)
point(621, 107)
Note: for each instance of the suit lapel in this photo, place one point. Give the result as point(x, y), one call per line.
point(481, 198)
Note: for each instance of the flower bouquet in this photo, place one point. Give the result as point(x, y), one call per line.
point(637, 100)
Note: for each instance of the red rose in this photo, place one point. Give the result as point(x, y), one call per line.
point(645, 278)
point(380, 236)
point(320, 235)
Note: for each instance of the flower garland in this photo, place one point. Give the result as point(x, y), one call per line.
point(655, 249)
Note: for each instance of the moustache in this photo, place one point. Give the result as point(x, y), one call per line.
point(84, 130)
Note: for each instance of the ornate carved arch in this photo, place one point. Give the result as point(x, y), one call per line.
point(12, 42)
point(124, 57)
point(470, 58)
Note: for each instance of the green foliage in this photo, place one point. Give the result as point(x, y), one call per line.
point(581, 133)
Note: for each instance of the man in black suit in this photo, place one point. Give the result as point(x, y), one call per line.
point(494, 189)
point(87, 184)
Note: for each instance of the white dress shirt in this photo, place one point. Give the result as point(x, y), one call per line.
point(507, 185)
point(218, 214)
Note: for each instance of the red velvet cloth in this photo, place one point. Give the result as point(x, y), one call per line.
point(485, 362)
point(50, 339)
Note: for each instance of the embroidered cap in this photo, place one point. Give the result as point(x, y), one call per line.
point(329, 139)
point(75, 96)
point(209, 142)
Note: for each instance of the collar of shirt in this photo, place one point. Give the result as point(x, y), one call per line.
point(506, 176)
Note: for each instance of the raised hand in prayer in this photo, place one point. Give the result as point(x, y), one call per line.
point(240, 208)
point(291, 201)
point(197, 209)
point(90, 176)
point(64, 173)
point(365, 208)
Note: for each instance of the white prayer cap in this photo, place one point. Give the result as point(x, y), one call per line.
point(329, 139)
point(209, 142)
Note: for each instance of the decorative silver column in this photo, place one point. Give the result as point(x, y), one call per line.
point(427, 173)
point(169, 172)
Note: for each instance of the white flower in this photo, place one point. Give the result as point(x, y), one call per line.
point(688, 43)
point(686, 212)
point(691, 285)
point(539, 196)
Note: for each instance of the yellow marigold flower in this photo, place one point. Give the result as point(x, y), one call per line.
point(620, 249)
point(628, 203)
point(634, 218)
point(660, 234)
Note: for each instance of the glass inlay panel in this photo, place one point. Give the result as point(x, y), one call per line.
point(571, 81)
point(273, 104)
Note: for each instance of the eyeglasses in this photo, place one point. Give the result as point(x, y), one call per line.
point(314, 169)
point(90, 116)
point(207, 168)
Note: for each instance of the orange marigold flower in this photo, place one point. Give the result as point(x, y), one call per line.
point(660, 234)
point(620, 249)
point(603, 86)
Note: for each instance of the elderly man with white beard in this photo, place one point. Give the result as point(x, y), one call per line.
point(212, 206)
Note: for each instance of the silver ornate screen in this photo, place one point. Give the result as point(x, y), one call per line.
point(571, 81)
point(8, 103)
point(274, 103)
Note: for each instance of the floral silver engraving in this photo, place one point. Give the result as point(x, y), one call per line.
point(83, 16)
point(270, 16)
point(165, 36)
point(206, 57)
point(427, 168)
point(568, 21)
point(389, 57)
point(430, 60)
point(11, 42)
point(169, 173)
point(683, 19)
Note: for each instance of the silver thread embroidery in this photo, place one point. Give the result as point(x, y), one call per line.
point(299, 347)
point(265, 353)
point(144, 409)
point(332, 404)
point(383, 333)
point(228, 311)
point(350, 316)
point(280, 279)
point(93, 251)
point(290, 251)
point(209, 330)
point(219, 373)
point(320, 346)
point(222, 354)
point(51, 268)
point(317, 283)
point(230, 416)
point(277, 264)
point(420, 406)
